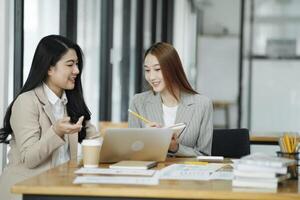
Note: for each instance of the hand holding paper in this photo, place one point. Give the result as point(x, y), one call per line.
point(178, 128)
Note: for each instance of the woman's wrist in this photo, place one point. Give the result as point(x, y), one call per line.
point(174, 150)
point(60, 134)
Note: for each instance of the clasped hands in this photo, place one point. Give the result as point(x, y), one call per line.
point(64, 126)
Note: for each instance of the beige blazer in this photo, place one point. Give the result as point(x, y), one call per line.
point(33, 142)
point(194, 110)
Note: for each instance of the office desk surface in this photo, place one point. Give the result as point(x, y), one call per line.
point(58, 182)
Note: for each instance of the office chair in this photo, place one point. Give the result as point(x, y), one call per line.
point(231, 143)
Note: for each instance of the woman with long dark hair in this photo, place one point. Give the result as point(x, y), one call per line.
point(49, 116)
point(172, 100)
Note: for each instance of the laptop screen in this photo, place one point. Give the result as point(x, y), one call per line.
point(144, 144)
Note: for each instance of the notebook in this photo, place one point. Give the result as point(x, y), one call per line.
point(132, 164)
point(177, 128)
point(140, 144)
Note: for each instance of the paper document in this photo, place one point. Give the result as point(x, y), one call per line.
point(133, 172)
point(177, 128)
point(189, 172)
point(261, 159)
point(221, 175)
point(116, 180)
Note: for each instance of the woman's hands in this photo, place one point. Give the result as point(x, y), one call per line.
point(153, 125)
point(63, 126)
point(174, 144)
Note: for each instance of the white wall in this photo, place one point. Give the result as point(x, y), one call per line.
point(218, 67)
point(184, 38)
point(3, 70)
point(218, 73)
point(275, 95)
point(218, 55)
point(275, 83)
point(220, 15)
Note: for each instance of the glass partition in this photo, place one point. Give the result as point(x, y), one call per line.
point(41, 18)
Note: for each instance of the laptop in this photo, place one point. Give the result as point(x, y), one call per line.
point(142, 144)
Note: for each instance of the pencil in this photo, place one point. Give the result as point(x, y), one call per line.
point(139, 116)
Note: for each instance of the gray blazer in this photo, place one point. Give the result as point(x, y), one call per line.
point(34, 141)
point(194, 110)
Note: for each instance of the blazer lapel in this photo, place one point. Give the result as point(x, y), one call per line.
point(48, 111)
point(185, 110)
point(154, 109)
point(39, 91)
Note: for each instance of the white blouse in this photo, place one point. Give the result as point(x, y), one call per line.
point(58, 107)
point(169, 115)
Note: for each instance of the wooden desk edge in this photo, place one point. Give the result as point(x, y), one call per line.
point(159, 193)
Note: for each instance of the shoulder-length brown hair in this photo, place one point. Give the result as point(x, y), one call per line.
point(171, 68)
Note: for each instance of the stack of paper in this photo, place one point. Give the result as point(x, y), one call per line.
point(117, 172)
point(116, 176)
point(116, 180)
point(189, 172)
point(260, 171)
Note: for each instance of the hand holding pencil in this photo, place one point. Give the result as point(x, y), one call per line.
point(146, 121)
point(139, 116)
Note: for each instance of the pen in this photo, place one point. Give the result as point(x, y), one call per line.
point(139, 116)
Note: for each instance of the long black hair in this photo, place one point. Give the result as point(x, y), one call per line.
point(48, 52)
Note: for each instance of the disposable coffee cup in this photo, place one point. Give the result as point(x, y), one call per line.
point(91, 152)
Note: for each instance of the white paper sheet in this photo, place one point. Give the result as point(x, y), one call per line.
point(133, 172)
point(221, 175)
point(116, 180)
point(189, 172)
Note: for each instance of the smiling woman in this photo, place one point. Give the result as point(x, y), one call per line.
point(172, 100)
point(49, 116)
point(62, 76)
